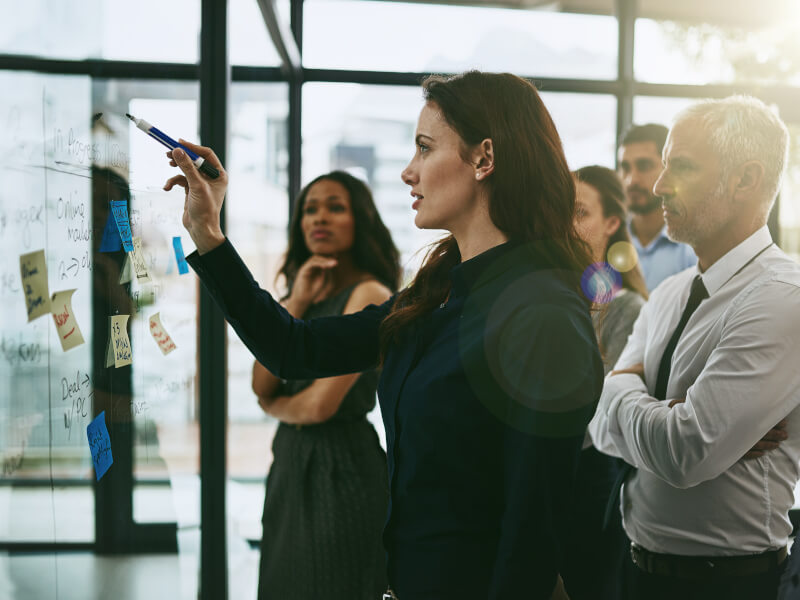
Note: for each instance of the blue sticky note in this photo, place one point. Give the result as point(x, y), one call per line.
point(119, 209)
point(111, 241)
point(100, 445)
point(183, 266)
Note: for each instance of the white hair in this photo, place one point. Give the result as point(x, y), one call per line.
point(743, 128)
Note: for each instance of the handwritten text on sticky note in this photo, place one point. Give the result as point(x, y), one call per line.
point(120, 343)
point(138, 261)
point(69, 334)
point(160, 335)
point(100, 445)
point(33, 270)
point(119, 208)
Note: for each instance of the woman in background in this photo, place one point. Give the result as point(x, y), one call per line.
point(327, 489)
point(592, 567)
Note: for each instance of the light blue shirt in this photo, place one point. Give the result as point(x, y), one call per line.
point(662, 257)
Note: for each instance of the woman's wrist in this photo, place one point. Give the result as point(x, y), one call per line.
point(207, 239)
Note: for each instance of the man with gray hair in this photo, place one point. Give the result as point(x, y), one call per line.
point(710, 368)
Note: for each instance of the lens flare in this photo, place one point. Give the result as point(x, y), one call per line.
point(622, 256)
point(600, 282)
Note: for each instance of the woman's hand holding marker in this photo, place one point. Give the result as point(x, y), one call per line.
point(204, 196)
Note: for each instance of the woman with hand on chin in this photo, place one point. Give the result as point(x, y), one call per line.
point(327, 488)
point(490, 368)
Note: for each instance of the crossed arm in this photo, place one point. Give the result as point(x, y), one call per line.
point(748, 384)
point(319, 401)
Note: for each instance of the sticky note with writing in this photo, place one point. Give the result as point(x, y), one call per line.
point(111, 241)
point(183, 266)
point(69, 334)
point(160, 335)
point(138, 261)
point(33, 270)
point(119, 208)
point(100, 445)
point(120, 343)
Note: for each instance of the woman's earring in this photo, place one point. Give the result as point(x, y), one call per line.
point(477, 175)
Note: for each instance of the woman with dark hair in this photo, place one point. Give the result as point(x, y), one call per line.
point(600, 218)
point(595, 551)
point(491, 370)
point(327, 488)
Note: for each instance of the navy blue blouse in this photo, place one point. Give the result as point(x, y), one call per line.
point(485, 403)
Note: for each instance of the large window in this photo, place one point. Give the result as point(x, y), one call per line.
point(257, 215)
point(151, 30)
point(396, 36)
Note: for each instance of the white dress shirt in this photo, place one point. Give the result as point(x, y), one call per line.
point(737, 363)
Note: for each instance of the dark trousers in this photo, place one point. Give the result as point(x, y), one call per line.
point(790, 579)
point(593, 556)
point(640, 585)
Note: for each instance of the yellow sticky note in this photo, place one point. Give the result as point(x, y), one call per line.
point(69, 334)
point(160, 335)
point(120, 343)
point(138, 261)
point(33, 270)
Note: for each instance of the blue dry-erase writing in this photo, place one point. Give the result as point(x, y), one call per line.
point(119, 208)
point(111, 241)
point(161, 137)
point(183, 266)
point(100, 445)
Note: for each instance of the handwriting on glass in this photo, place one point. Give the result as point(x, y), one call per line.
point(80, 393)
point(13, 462)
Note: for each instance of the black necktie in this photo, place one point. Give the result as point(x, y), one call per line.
point(697, 294)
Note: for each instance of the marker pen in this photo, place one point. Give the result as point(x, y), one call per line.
point(162, 137)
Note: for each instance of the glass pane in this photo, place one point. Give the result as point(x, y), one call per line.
point(653, 109)
point(789, 216)
point(676, 52)
point(587, 125)
point(368, 130)
point(46, 393)
point(248, 39)
point(396, 36)
point(257, 218)
point(102, 29)
point(62, 169)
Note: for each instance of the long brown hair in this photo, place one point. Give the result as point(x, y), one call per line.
point(612, 201)
point(373, 250)
point(531, 191)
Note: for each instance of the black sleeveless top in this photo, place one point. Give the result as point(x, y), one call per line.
point(326, 500)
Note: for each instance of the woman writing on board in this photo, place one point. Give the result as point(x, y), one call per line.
point(327, 489)
point(490, 368)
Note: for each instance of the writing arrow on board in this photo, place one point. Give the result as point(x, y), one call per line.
point(86, 380)
point(75, 265)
